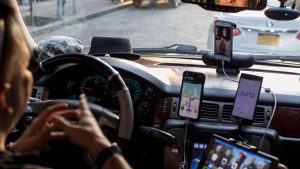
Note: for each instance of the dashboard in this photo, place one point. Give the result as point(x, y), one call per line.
point(73, 80)
point(154, 85)
point(98, 91)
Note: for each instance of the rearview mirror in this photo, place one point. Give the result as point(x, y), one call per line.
point(229, 5)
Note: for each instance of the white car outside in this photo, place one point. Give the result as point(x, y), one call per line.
point(256, 33)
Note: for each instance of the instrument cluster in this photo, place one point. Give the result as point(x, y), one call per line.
point(98, 91)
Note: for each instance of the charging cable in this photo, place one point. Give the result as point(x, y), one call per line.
point(267, 90)
point(229, 78)
point(184, 163)
point(270, 121)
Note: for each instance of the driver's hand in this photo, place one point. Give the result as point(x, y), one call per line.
point(86, 133)
point(37, 135)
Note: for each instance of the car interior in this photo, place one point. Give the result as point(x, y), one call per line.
point(137, 96)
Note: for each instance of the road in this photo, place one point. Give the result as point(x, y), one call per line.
point(146, 27)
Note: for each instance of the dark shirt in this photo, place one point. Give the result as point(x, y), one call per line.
point(9, 160)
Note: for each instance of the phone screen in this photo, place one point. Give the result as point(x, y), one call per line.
point(247, 96)
point(197, 153)
point(191, 92)
point(223, 40)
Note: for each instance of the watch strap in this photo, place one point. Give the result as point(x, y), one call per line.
point(105, 154)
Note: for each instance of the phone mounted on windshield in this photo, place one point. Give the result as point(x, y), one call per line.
point(228, 153)
point(223, 40)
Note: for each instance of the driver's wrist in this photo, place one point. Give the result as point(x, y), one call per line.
point(106, 154)
point(98, 147)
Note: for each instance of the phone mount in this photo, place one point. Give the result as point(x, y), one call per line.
point(238, 61)
point(282, 13)
point(240, 123)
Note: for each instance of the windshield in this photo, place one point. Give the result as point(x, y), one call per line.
point(159, 23)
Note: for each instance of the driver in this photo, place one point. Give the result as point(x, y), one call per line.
point(15, 87)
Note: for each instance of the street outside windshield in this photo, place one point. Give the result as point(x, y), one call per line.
point(159, 23)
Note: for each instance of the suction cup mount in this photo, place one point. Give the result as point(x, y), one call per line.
point(282, 13)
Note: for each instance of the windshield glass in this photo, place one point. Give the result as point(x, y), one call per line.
point(160, 23)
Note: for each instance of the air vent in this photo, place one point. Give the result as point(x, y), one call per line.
point(259, 116)
point(164, 111)
point(209, 111)
point(34, 92)
point(37, 92)
point(227, 111)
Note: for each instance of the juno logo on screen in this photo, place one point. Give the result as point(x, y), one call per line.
point(247, 94)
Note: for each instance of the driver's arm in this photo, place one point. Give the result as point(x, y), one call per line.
point(14, 5)
point(87, 134)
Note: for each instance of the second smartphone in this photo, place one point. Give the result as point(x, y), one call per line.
point(191, 94)
point(223, 40)
point(247, 96)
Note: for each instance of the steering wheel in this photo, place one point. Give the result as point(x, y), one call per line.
point(124, 122)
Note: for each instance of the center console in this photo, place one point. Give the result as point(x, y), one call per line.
point(200, 133)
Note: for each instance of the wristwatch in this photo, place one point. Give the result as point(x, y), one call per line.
point(105, 154)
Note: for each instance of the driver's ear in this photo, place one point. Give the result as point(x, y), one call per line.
point(5, 108)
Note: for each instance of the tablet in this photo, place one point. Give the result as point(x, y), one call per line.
point(224, 154)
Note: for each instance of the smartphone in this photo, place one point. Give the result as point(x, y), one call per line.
point(223, 40)
point(223, 153)
point(246, 96)
point(191, 94)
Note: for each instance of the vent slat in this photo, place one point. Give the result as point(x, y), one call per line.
point(209, 111)
point(226, 115)
point(209, 116)
point(259, 115)
point(34, 92)
point(209, 108)
point(227, 110)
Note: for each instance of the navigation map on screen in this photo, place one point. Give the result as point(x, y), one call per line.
point(190, 99)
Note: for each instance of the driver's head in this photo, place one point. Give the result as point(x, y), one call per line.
point(15, 78)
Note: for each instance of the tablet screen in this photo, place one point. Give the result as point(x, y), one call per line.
point(197, 153)
point(224, 155)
